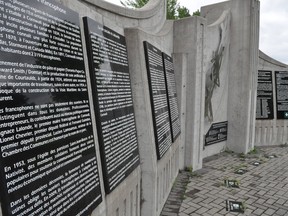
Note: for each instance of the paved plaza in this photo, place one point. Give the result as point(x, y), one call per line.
point(263, 189)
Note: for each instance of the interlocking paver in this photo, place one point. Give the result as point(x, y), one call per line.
point(201, 210)
point(258, 211)
point(270, 201)
point(263, 189)
point(281, 212)
point(269, 211)
point(190, 210)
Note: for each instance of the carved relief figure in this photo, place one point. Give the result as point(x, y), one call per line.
point(213, 73)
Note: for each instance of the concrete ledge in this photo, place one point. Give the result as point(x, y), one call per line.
point(267, 58)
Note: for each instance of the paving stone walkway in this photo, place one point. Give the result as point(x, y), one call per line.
point(263, 189)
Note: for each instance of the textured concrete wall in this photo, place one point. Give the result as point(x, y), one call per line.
point(189, 36)
point(271, 131)
point(216, 69)
point(241, 73)
point(157, 176)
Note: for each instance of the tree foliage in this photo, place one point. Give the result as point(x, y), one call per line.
point(183, 12)
point(196, 13)
point(174, 10)
point(134, 3)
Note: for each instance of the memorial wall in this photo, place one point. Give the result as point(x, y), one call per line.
point(85, 132)
point(48, 161)
point(152, 113)
point(272, 103)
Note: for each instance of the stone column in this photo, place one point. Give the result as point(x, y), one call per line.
point(243, 74)
point(190, 78)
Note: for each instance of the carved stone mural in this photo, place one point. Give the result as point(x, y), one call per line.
point(217, 66)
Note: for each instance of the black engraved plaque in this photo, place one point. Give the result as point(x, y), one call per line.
point(113, 103)
point(172, 96)
point(217, 133)
point(158, 95)
point(281, 79)
point(47, 161)
point(264, 108)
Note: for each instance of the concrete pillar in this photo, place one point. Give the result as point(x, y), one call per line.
point(243, 74)
point(188, 63)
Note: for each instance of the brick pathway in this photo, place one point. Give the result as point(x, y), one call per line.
point(263, 189)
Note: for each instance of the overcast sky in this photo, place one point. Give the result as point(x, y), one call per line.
point(273, 23)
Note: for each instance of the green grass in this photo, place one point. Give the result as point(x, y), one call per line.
point(189, 169)
point(253, 151)
point(242, 155)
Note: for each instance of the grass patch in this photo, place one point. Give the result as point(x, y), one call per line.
point(195, 174)
point(242, 155)
point(253, 151)
point(183, 197)
point(189, 169)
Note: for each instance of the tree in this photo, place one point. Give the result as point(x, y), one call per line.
point(196, 13)
point(183, 12)
point(172, 6)
point(174, 10)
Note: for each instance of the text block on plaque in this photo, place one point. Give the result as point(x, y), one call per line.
point(48, 161)
point(172, 96)
point(264, 107)
point(113, 102)
point(281, 80)
point(158, 95)
point(217, 132)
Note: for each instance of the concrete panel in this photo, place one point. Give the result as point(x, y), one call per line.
point(242, 78)
point(214, 11)
point(216, 67)
point(155, 185)
point(243, 74)
point(126, 197)
point(189, 36)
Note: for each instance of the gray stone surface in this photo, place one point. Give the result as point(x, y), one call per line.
point(243, 76)
point(188, 63)
point(263, 189)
